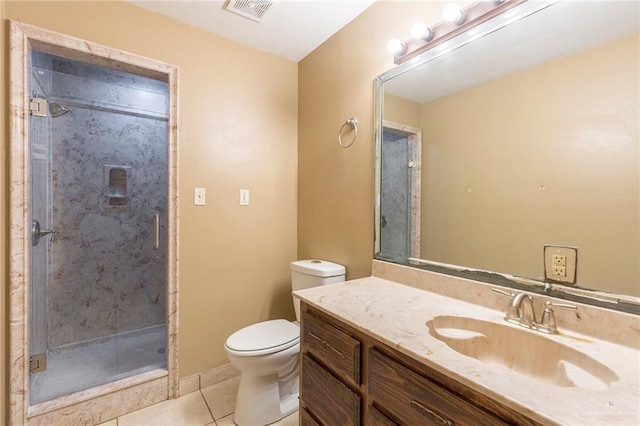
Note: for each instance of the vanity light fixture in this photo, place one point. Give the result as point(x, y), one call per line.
point(472, 32)
point(453, 13)
point(455, 22)
point(420, 31)
point(396, 47)
point(510, 14)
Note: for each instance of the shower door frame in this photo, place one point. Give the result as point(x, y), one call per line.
point(156, 385)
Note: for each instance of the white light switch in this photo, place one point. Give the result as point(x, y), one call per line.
point(244, 197)
point(198, 197)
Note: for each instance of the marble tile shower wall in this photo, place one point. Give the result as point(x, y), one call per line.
point(107, 278)
point(396, 181)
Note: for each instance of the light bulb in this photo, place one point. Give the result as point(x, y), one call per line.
point(420, 31)
point(396, 47)
point(453, 13)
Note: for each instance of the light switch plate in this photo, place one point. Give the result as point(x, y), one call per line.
point(244, 197)
point(199, 196)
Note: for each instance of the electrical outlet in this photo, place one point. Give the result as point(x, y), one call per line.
point(560, 264)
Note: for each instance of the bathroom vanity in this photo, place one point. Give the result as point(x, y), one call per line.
point(348, 375)
point(376, 351)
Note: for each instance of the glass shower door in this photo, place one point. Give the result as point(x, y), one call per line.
point(40, 203)
point(99, 184)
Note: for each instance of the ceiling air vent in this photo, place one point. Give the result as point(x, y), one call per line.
point(252, 9)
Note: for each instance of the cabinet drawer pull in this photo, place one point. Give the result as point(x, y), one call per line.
point(441, 420)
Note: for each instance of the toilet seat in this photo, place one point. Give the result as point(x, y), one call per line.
point(264, 338)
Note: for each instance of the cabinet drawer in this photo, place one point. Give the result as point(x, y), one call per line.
point(336, 349)
point(413, 399)
point(330, 401)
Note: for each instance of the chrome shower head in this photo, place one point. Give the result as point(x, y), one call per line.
point(57, 110)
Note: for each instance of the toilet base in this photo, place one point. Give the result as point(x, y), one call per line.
point(265, 399)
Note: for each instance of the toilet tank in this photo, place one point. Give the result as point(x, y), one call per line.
point(313, 273)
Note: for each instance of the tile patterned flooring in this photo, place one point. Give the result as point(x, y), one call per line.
point(212, 405)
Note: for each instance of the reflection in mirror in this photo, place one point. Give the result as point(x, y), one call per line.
point(400, 190)
point(529, 139)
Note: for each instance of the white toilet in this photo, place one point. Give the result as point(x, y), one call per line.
point(266, 353)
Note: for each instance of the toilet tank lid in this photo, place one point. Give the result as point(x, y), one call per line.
point(317, 268)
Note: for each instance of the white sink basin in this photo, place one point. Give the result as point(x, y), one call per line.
point(522, 350)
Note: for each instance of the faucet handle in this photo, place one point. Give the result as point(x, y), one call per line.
point(548, 320)
point(501, 291)
point(549, 304)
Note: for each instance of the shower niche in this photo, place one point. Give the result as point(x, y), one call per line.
point(115, 186)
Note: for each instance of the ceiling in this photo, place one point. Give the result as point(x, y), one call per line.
point(290, 29)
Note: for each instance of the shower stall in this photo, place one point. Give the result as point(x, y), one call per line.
point(98, 198)
point(93, 231)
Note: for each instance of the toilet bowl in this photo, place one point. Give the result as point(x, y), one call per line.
point(267, 354)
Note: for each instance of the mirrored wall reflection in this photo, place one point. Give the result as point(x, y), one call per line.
point(99, 163)
point(394, 200)
point(400, 191)
point(530, 139)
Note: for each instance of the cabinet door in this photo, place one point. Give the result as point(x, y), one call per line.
point(415, 400)
point(329, 400)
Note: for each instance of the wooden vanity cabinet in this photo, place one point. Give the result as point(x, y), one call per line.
point(415, 400)
point(350, 378)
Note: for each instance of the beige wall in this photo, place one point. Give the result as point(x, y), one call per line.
point(237, 129)
point(335, 185)
point(578, 138)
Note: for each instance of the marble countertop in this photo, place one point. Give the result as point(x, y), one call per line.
point(396, 314)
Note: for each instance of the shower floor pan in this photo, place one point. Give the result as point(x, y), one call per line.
point(79, 368)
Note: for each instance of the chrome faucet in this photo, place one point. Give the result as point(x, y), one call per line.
point(520, 311)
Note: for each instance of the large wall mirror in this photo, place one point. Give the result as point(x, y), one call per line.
point(527, 134)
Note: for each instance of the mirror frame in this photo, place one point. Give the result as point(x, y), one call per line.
point(600, 298)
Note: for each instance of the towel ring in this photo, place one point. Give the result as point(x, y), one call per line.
point(353, 122)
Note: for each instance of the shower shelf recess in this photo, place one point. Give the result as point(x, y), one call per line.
point(116, 185)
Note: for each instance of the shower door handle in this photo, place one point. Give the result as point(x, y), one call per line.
point(156, 231)
point(37, 233)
